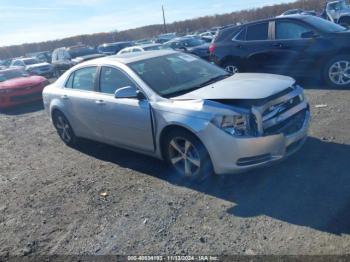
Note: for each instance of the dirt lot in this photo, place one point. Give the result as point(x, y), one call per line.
point(51, 199)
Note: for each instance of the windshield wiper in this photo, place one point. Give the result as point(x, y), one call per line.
point(213, 80)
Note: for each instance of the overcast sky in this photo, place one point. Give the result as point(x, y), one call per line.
point(26, 21)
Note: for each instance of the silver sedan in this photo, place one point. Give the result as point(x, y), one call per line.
point(179, 108)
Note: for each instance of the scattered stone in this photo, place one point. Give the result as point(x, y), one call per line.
point(321, 106)
point(145, 221)
point(249, 252)
point(103, 194)
point(202, 239)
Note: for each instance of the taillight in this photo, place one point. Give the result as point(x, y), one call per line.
point(212, 48)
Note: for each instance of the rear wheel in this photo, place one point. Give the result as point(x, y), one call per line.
point(345, 22)
point(337, 72)
point(187, 155)
point(63, 128)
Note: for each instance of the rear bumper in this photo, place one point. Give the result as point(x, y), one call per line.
point(234, 155)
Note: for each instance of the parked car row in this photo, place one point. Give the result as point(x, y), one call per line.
point(294, 45)
point(300, 46)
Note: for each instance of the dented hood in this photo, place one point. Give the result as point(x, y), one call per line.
point(242, 86)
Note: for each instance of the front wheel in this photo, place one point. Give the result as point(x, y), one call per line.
point(337, 72)
point(64, 129)
point(187, 155)
point(231, 68)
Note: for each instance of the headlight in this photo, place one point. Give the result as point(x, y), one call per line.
point(235, 125)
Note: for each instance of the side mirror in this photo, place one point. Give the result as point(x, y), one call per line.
point(129, 92)
point(310, 34)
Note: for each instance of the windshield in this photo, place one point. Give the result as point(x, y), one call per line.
point(177, 74)
point(30, 61)
point(76, 52)
point(324, 25)
point(194, 42)
point(10, 74)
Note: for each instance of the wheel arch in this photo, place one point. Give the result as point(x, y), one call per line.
point(344, 18)
point(170, 128)
point(340, 52)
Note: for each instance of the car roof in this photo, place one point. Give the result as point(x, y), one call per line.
point(131, 57)
point(25, 58)
point(147, 45)
point(115, 43)
point(294, 16)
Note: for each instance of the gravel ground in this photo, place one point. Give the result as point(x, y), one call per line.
point(97, 199)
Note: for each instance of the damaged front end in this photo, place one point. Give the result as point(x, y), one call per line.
point(283, 113)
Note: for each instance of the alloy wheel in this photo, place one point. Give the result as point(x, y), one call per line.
point(184, 156)
point(339, 73)
point(232, 69)
point(63, 129)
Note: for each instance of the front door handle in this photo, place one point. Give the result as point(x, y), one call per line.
point(100, 102)
point(280, 45)
point(65, 97)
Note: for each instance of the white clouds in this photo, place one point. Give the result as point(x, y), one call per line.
point(94, 24)
point(48, 20)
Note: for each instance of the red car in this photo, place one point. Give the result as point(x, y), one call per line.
point(18, 87)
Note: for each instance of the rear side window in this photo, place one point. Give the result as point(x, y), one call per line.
point(258, 32)
point(240, 35)
point(290, 30)
point(112, 79)
point(84, 79)
point(69, 83)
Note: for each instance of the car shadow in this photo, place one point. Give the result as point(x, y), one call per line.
point(23, 109)
point(310, 189)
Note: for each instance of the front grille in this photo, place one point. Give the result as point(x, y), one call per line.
point(28, 87)
point(284, 113)
point(280, 108)
point(26, 97)
point(289, 126)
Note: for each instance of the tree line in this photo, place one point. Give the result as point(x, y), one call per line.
point(181, 27)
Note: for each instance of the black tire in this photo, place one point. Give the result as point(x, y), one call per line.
point(345, 22)
point(64, 129)
point(231, 67)
point(332, 77)
point(196, 152)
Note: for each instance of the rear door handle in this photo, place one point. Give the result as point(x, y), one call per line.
point(65, 97)
point(100, 102)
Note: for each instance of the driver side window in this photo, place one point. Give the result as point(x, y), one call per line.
point(290, 30)
point(112, 79)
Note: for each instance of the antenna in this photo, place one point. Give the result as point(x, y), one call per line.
point(165, 30)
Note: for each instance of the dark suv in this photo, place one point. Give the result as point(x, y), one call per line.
point(64, 58)
point(296, 45)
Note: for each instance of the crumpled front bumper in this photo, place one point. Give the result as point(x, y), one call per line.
point(233, 154)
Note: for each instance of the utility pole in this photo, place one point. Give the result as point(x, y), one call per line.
point(165, 30)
